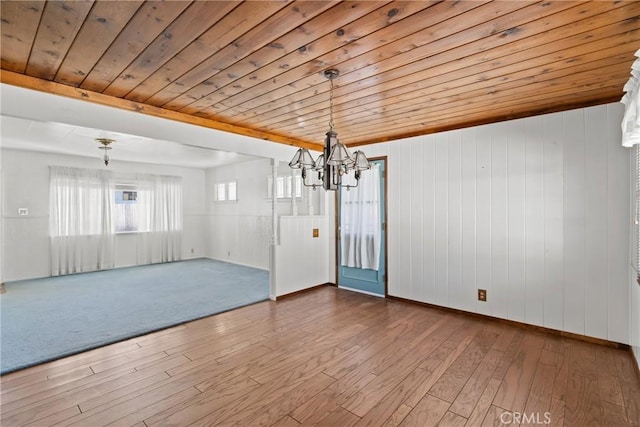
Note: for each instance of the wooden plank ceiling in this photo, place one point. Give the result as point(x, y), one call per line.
point(256, 68)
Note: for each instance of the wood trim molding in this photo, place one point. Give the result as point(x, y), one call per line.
point(28, 82)
point(520, 324)
point(636, 363)
point(303, 291)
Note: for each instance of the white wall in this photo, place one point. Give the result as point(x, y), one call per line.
point(535, 211)
point(301, 259)
point(240, 231)
point(25, 184)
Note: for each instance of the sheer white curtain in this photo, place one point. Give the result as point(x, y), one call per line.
point(360, 222)
point(160, 212)
point(80, 220)
point(631, 100)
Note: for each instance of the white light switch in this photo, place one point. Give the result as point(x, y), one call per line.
point(23, 211)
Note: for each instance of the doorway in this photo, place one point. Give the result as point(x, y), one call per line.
point(361, 233)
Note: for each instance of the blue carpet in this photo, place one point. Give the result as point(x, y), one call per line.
point(45, 319)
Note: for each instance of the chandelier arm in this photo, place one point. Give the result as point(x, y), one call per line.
point(304, 181)
point(347, 186)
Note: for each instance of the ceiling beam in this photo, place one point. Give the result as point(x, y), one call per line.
point(28, 82)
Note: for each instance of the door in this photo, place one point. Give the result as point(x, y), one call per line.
point(362, 233)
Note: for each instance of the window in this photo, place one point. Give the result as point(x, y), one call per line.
point(127, 209)
point(226, 191)
point(78, 206)
point(286, 187)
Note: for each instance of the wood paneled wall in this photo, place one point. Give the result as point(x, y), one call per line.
point(301, 260)
point(535, 211)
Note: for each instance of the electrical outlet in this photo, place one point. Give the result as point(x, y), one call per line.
point(482, 294)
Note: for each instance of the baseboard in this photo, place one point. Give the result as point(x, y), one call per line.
point(361, 291)
point(635, 358)
point(232, 262)
point(302, 291)
point(521, 325)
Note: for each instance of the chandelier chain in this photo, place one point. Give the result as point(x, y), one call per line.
point(331, 125)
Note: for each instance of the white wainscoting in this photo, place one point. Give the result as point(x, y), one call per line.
point(302, 261)
point(535, 211)
point(240, 239)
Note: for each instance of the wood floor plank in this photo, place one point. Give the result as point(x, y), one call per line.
point(613, 414)
point(80, 360)
point(195, 408)
point(557, 412)
point(457, 375)
point(582, 405)
point(452, 420)
point(477, 383)
point(437, 373)
point(330, 357)
point(131, 406)
point(610, 389)
point(562, 374)
point(515, 387)
point(339, 417)
point(317, 408)
point(149, 410)
point(540, 395)
point(631, 395)
point(398, 416)
point(365, 400)
point(428, 412)
point(57, 418)
point(286, 421)
point(582, 360)
point(385, 408)
point(498, 417)
point(270, 412)
point(483, 406)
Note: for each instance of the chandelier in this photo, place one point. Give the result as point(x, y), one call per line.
point(335, 161)
point(106, 142)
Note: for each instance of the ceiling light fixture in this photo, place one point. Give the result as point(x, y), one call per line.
point(106, 142)
point(335, 161)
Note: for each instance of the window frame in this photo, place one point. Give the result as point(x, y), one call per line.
point(128, 187)
point(223, 188)
point(290, 184)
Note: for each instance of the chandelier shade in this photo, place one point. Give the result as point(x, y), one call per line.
point(361, 161)
point(340, 156)
point(302, 159)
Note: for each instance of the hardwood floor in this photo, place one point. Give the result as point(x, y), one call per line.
point(332, 358)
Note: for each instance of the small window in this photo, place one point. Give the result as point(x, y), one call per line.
point(226, 191)
point(127, 215)
point(231, 191)
point(286, 187)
